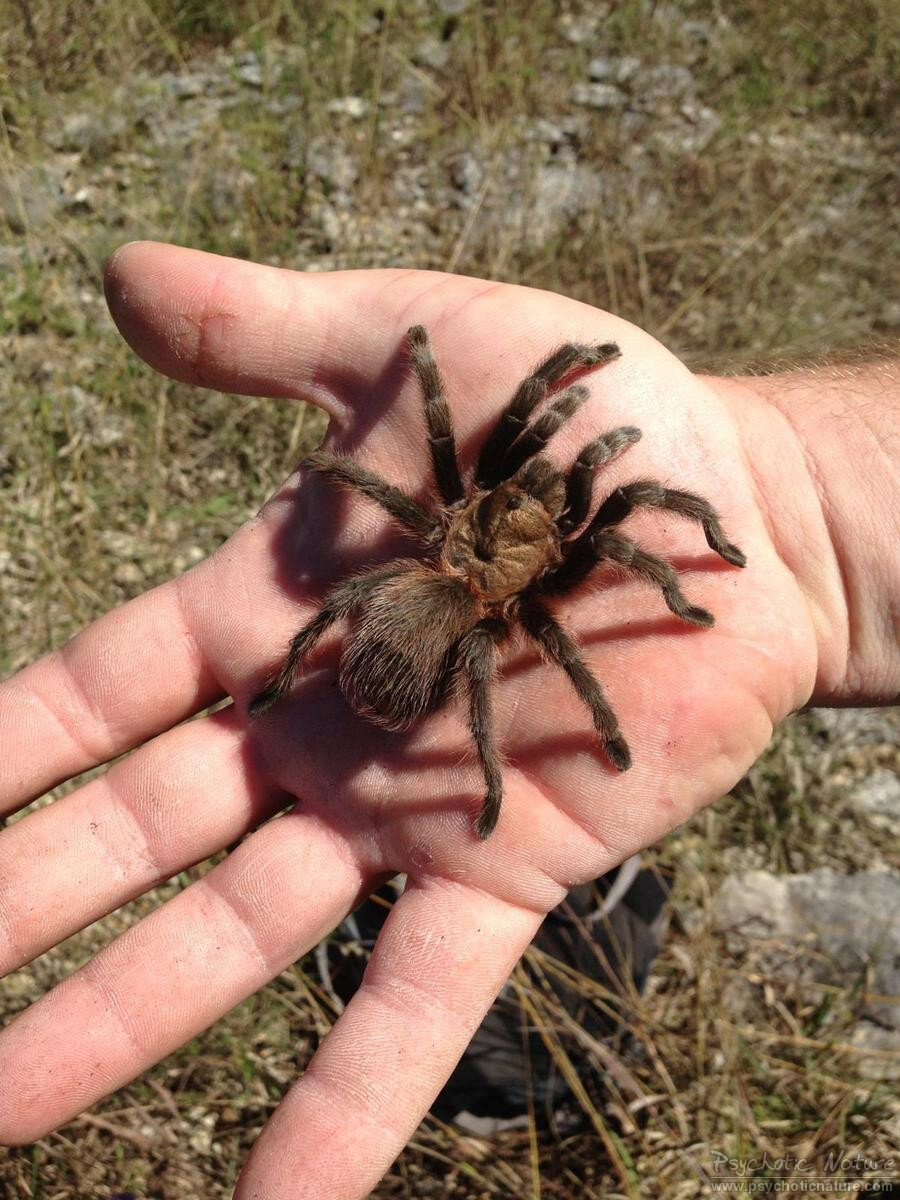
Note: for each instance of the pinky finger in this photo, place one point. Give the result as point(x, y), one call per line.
point(442, 957)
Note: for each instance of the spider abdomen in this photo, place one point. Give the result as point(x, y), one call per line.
point(398, 661)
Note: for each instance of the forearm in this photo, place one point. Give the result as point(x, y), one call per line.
point(823, 449)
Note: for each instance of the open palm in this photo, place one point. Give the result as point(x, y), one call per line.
point(696, 706)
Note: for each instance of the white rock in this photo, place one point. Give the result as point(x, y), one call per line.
point(330, 162)
point(597, 95)
point(354, 107)
point(429, 52)
point(877, 797)
point(605, 69)
point(852, 920)
point(883, 1059)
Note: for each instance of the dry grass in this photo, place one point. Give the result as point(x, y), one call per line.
point(771, 240)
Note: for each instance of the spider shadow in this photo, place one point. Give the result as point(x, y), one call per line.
point(528, 657)
point(368, 400)
point(309, 556)
point(327, 757)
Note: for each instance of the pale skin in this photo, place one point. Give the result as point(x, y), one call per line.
point(794, 476)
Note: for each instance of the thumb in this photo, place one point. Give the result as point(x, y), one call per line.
point(264, 331)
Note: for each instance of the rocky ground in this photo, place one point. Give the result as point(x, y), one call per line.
point(722, 183)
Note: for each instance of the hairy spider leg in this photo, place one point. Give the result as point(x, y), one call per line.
point(647, 493)
point(534, 437)
point(410, 514)
point(614, 547)
point(530, 392)
point(552, 638)
point(595, 544)
point(580, 480)
point(441, 441)
point(340, 602)
point(477, 655)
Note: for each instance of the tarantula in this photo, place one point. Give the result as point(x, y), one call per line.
point(495, 550)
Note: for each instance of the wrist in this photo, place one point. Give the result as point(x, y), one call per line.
point(821, 446)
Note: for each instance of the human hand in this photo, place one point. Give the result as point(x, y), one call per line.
point(696, 706)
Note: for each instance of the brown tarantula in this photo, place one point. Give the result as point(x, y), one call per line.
point(495, 550)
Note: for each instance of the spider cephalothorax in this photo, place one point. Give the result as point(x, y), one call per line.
point(494, 551)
